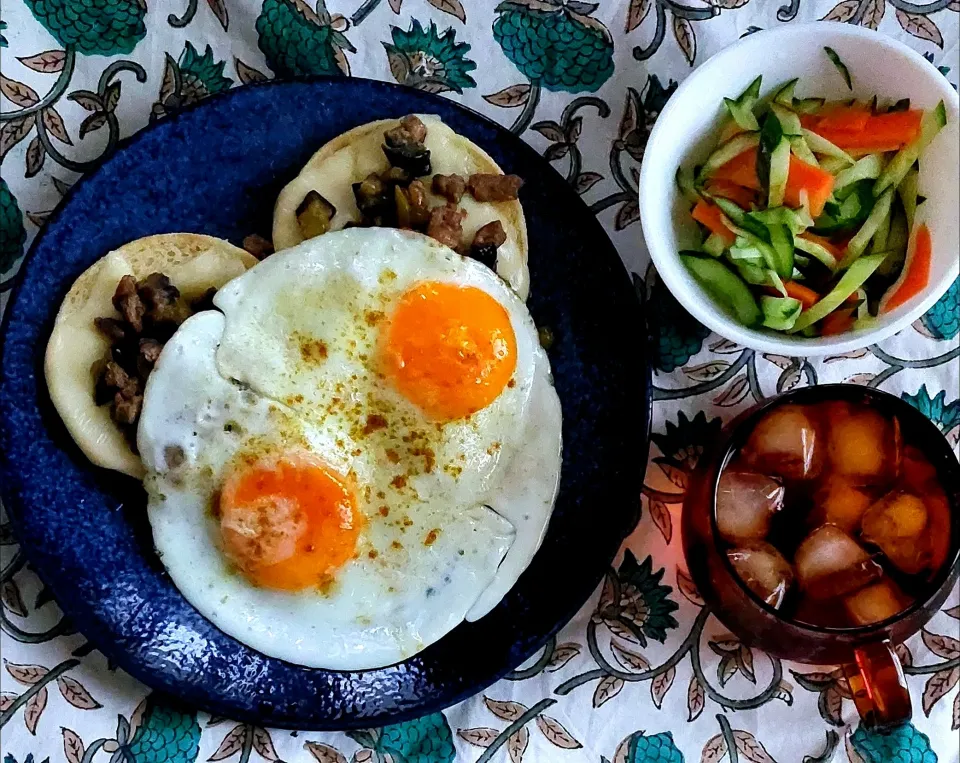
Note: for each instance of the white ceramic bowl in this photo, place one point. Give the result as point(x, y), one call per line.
point(686, 130)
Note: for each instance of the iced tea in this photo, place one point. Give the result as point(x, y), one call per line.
point(829, 517)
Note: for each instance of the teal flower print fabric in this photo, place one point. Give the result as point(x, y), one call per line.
point(644, 673)
point(93, 27)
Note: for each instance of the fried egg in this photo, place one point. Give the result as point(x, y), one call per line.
point(361, 451)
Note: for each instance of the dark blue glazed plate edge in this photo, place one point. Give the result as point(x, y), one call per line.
point(83, 529)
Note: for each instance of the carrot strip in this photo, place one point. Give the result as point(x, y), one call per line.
point(816, 182)
point(916, 273)
point(838, 322)
point(806, 296)
point(710, 216)
point(742, 197)
point(842, 118)
point(882, 132)
point(741, 170)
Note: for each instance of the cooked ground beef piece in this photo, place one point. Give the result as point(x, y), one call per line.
point(126, 410)
point(417, 193)
point(147, 356)
point(451, 187)
point(161, 299)
point(404, 149)
point(128, 302)
point(490, 234)
point(156, 291)
point(410, 131)
point(258, 246)
point(113, 376)
point(485, 244)
point(111, 328)
point(151, 310)
point(494, 187)
point(446, 225)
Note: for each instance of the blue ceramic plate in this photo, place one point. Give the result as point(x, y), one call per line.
point(216, 169)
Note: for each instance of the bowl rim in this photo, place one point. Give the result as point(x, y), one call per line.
point(653, 210)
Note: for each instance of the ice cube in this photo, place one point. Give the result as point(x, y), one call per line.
point(862, 444)
point(784, 442)
point(875, 603)
point(840, 503)
point(895, 524)
point(746, 502)
point(764, 571)
point(830, 563)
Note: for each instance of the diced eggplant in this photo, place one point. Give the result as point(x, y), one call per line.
point(315, 215)
point(412, 157)
point(375, 200)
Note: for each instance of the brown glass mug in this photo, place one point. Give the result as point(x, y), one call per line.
point(872, 669)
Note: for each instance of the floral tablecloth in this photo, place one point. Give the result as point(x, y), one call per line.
point(643, 673)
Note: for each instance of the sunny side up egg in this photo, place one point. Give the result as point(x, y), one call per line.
point(361, 451)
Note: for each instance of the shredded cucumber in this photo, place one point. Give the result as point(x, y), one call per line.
point(776, 281)
point(797, 220)
point(755, 275)
point(816, 250)
point(733, 147)
point(726, 287)
point(897, 241)
point(879, 241)
point(780, 313)
point(802, 151)
point(823, 146)
point(779, 170)
point(874, 198)
point(746, 251)
point(808, 105)
point(858, 244)
point(784, 94)
point(852, 280)
point(752, 92)
point(867, 168)
point(781, 241)
point(742, 114)
point(730, 209)
point(832, 164)
point(714, 245)
point(685, 184)
point(789, 121)
point(908, 190)
point(933, 121)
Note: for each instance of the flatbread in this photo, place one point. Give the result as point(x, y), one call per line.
point(351, 157)
point(194, 263)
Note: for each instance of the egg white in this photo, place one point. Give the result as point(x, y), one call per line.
point(376, 613)
point(291, 364)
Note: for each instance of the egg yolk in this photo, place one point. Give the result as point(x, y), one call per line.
point(449, 349)
point(288, 523)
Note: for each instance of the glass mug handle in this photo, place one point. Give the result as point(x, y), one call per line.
point(878, 686)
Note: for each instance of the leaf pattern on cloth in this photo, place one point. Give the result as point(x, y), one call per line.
point(583, 83)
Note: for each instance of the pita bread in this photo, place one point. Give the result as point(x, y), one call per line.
point(351, 157)
point(194, 263)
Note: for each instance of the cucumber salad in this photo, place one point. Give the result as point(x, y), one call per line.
point(810, 215)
